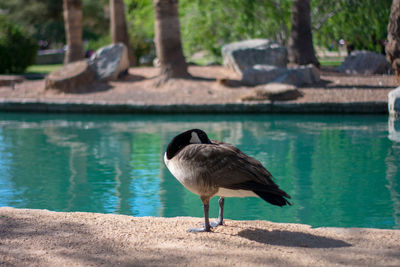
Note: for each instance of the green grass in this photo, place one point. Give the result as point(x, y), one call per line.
point(330, 61)
point(42, 69)
point(36, 72)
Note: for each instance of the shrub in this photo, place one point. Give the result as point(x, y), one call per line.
point(94, 44)
point(17, 48)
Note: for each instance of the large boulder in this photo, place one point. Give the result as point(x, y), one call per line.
point(263, 74)
point(365, 62)
point(110, 62)
point(240, 56)
point(71, 78)
point(310, 74)
point(394, 103)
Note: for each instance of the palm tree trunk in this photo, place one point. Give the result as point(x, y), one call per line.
point(73, 30)
point(168, 40)
point(392, 48)
point(119, 30)
point(301, 49)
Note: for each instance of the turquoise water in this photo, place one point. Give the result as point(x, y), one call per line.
point(340, 170)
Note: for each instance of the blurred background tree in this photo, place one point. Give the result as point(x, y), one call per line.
point(43, 19)
point(119, 29)
point(209, 24)
point(360, 23)
point(72, 10)
point(168, 41)
point(17, 48)
point(300, 47)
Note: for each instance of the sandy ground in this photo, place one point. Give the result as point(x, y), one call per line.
point(138, 88)
point(45, 238)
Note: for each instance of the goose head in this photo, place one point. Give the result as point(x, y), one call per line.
point(193, 136)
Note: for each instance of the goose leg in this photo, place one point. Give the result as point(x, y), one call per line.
point(221, 203)
point(207, 226)
point(220, 221)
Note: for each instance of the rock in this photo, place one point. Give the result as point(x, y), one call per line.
point(394, 129)
point(290, 77)
point(365, 62)
point(71, 78)
point(240, 56)
point(274, 92)
point(309, 73)
point(262, 74)
point(110, 62)
point(394, 103)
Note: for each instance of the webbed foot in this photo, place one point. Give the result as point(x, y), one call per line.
point(199, 230)
point(216, 224)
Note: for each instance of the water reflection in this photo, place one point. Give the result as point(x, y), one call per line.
point(392, 167)
point(394, 129)
point(340, 170)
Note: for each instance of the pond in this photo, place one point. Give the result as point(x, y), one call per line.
point(341, 171)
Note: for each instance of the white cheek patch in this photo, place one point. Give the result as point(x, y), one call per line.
point(195, 138)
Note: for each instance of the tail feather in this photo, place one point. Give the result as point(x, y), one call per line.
point(270, 193)
point(274, 199)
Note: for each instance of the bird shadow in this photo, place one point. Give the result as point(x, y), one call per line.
point(291, 239)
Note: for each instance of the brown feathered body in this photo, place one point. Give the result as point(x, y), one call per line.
point(221, 169)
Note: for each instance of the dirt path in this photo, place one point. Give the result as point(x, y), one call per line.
point(44, 238)
point(138, 88)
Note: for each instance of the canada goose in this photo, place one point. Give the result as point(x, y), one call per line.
point(211, 168)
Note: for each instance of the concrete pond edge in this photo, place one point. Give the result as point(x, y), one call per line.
point(24, 105)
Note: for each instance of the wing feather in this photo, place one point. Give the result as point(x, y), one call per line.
point(225, 165)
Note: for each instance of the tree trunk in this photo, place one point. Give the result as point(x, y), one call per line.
point(301, 49)
point(393, 45)
point(168, 40)
point(119, 30)
point(73, 30)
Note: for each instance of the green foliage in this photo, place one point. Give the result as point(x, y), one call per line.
point(17, 48)
point(95, 44)
point(140, 18)
point(40, 18)
point(361, 23)
point(43, 69)
point(43, 19)
point(95, 19)
point(211, 24)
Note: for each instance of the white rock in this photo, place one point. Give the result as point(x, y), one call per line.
point(109, 62)
point(394, 129)
point(394, 102)
point(242, 55)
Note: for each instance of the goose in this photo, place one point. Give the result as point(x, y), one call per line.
point(212, 168)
